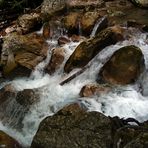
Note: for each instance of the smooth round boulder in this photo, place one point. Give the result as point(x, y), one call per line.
point(124, 67)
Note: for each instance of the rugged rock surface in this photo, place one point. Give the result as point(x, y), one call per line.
point(56, 60)
point(7, 141)
point(50, 8)
point(27, 97)
point(90, 48)
point(94, 89)
point(73, 127)
point(124, 66)
point(22, 52)
point(29, 22)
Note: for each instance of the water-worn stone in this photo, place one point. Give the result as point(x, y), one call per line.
point(27, 97)
point(22, 51)
point(56, 60)
point(29, 22)
point(124, 66)
point(91, 47)
point(74, 127)
point(90, 90)
point(63, 40)
point(8, 142)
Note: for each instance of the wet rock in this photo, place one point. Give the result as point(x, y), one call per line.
point(88, 49)
point(50, 8)
point(77, 38)
point(29, 22)
point(47, 30)
point(124, 66)
point(74, 127)
point(63, 40)
point(56, 60)
point(93, 89)
point(8, 142)
point(6, 93)
point(140, 3)
point(27, 97)
point(24, 51)
point(82, 23)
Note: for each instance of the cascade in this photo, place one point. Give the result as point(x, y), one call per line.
point(125, 101)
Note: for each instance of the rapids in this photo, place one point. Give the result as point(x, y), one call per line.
point(125, 101)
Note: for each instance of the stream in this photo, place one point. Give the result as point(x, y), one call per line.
point(123, 101)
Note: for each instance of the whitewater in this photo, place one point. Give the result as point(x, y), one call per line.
point(123, 101)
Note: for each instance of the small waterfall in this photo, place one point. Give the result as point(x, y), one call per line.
point(123, 101)
point(97, 25)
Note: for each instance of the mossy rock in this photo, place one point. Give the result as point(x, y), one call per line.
point(124, 66)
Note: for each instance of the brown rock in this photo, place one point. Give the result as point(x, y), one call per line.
point(7, 141)
point(91, 47)
point(56, 60)
point(74, 127)
point(63, 40)
point(29, 22)
point(47, 31)
point(93, 89)
point(124, 66)
point(22, 51)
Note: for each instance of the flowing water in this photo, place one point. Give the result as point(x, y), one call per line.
point(122, 101)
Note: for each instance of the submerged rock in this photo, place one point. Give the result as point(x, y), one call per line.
point(88, 49)
point(124, 66)
point(74, 127)
point(24, 51)
point(8, 142)
point(57, 58)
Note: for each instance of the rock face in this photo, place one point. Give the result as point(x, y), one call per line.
point(90, 48)
point(140, 3)
point(29, 22)
point(24, 51)
point(7, 141)
point(124, 66)
point(56, 60)
point(93, 89)
point(73, 127)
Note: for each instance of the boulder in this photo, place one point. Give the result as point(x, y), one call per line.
point(140, 3)
point(124, 66)
point(8, 142)
point(88, 49)
point(47, 30)
point(56, 60)
point(29, 22)
point(22, 52)
point(83, 23)
point(74, 127)
point(90, 90)
point(27, 97)
point(49, 7)
point(63, 40)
